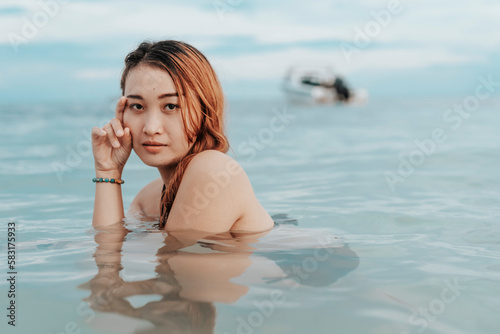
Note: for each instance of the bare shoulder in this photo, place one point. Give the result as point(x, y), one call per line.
point(215, 195)
point(214, 161)
point(147, 200)
point(214, 172)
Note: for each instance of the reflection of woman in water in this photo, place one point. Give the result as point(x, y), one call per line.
point(189, 283)
point(172, 115)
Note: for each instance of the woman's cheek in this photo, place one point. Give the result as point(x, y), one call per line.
point(129, 123)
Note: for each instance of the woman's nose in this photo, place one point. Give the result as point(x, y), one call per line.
point(152, 124)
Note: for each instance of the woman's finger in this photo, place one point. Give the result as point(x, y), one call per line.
point(117, 127)
point(127, 139)
point(97, 132)
point(111, 136)
point(120, 108)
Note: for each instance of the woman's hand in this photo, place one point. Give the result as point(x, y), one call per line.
point(112, 144)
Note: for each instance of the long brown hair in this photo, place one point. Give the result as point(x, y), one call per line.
point(201, 102)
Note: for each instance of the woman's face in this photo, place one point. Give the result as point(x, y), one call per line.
point(154, 118)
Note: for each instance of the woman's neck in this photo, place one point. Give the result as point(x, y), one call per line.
point(166, 173)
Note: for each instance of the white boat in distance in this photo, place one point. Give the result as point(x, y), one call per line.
point(320, 85)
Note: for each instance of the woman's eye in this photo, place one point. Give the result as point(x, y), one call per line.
point(171, 106)
point(136, 106)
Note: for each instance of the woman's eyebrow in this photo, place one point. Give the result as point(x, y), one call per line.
point(167, 95)
point(138, 97)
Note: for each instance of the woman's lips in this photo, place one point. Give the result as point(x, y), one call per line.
point(153, 148)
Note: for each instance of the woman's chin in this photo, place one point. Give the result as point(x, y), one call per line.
point(157, 162)
point(150, 161)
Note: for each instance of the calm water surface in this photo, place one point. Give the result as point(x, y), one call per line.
point(349, 254)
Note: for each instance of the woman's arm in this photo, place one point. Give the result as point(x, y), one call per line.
point(111, 147)
point(108, 203)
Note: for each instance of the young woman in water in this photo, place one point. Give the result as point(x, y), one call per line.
point(172, 115)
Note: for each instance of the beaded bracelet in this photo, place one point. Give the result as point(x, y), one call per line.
point(97, 179)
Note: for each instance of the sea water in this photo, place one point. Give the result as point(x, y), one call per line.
point(386, 222)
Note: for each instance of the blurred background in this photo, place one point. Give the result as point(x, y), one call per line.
point(409, 178)
point(423, 49)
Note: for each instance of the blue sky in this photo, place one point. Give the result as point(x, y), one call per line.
point(416, 48)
